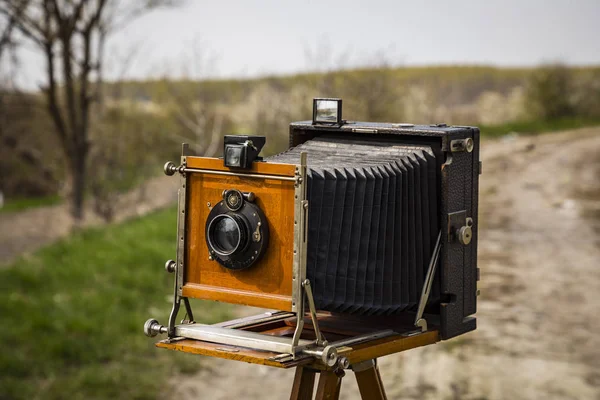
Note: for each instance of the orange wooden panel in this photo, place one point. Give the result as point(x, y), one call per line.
point(238, 296)
point(268, 283)
point(257, 167)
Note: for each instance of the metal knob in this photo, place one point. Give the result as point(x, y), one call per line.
point(464, 234)
point(170, 168)
point(153, 328)
point(469, 145)
point(170, 266)
point(329, 356)
point(343, 363)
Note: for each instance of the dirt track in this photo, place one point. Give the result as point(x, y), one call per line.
point(538, 312)
point(29, 230)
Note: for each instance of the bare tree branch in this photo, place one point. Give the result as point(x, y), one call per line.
point(71, 34)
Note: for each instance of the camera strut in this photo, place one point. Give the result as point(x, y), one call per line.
point(420, 322)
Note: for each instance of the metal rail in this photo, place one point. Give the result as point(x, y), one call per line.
point(244, 175)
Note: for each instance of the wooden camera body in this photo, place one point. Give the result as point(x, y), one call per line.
point(270, 282)
point(255, 236)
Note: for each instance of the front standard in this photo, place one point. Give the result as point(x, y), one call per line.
point(362, 221)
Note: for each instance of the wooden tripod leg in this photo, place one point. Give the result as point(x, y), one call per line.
point(329, 386)
point(304, 382)
point(369, 381)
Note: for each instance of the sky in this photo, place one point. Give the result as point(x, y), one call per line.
point(238, 38)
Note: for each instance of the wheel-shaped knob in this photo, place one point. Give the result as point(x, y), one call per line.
point(150, 327)
point(170, 168)
point(465, 234)
point(170, 266)
point(329, 356)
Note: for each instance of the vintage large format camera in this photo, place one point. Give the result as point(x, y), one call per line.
point(357, 219)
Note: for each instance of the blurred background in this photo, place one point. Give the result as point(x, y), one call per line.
point(96, 95)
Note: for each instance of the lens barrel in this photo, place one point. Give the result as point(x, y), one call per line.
point(237, 231)
point(227, 234)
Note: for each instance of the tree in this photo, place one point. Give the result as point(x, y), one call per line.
point(196, 109)
point(71, 34)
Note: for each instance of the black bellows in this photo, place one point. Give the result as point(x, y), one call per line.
point(372, 222)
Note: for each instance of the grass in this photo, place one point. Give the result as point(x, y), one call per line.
point(20, 204)
point(537, 127)
point(72, 315)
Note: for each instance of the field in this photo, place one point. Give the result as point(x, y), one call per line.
point(73, 312)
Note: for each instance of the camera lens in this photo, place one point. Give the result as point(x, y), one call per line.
point(236, 231)
point(226, 234)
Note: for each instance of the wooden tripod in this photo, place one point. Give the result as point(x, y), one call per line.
point(361, 358)
point(330, 382)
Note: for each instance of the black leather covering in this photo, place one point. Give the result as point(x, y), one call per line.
point(373, 221)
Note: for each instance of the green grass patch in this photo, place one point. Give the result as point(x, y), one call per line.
point(537, 127)
point(20, 204)
point(72, 315)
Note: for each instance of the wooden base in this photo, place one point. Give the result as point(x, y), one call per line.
point(360, 356)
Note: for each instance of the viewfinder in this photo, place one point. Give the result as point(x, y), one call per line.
point(327, 111)
point(240, 151)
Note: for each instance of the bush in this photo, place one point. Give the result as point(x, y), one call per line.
point(587, 91)
point(550, 92)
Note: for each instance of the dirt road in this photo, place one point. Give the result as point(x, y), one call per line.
point(29, 230)
point(539, 309)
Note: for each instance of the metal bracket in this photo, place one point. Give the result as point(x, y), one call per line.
point(313, 313)
point(178, 267)
point(300, 238)
point(460, 227)
point(188, 310)
point(420, 322)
